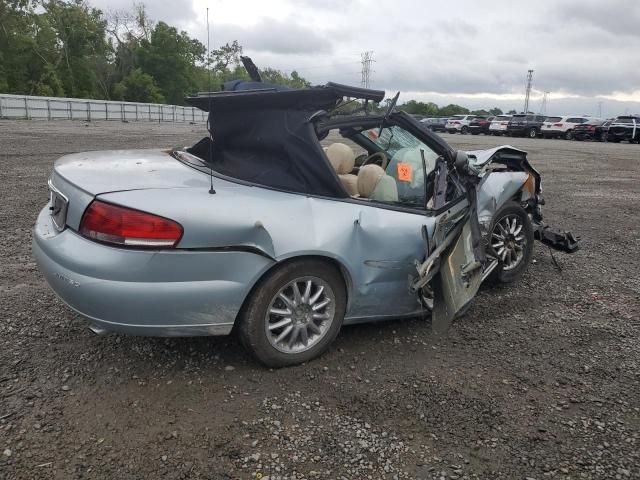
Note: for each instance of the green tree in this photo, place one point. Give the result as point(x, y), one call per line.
point(138, 86)
point(172, 59)
point(453, 109)
point(495, 111)
point(81, 46)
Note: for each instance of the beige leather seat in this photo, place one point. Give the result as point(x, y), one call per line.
point(375, 184)
point(343, 160)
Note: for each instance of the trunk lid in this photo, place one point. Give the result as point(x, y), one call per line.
point(80, 177)
point(118, 170)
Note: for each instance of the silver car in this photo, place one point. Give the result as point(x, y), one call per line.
point(257, 230)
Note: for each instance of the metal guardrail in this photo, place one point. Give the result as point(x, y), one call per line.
point(57, 108)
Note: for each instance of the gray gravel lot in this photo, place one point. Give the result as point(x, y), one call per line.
point(539, 380)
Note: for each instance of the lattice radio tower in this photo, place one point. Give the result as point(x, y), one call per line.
point(545, 103)
point(528, 90)
point(367, 60)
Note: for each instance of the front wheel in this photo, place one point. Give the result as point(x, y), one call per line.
point(293, 314)
point(464, 130)
point(511, 242)
point(568, 135)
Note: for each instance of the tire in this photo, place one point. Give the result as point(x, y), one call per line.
point(603, 137)
point(509, 269)
point(464, 130)
point(256, 322)
point(568, 135)
point(532, 133)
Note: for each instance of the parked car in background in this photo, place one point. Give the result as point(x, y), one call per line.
point(480, 124)
point(592, 130)
point(525, 125)
point(435, 124)
point(625, 127)
point(459, 124)
point(499, 124)
point(554, 127)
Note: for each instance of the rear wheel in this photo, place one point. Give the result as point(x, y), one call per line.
point(511, 242)
point(532, 133)
point(294, 313)
point(603, 137)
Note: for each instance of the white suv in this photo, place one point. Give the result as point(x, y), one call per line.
point(499, 125)
point(459, 123)
point(562, 126)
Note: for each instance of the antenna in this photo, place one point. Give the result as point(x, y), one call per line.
point(528, 91)
point(210, 153)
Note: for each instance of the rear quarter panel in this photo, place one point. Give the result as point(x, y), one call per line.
point(376, 247)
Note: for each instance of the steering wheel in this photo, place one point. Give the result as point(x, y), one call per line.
point(375, 158)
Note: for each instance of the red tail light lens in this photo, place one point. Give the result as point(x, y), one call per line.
point(559, 125)
point(117, 225)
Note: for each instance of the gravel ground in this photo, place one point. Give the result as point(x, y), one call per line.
point(539, 380)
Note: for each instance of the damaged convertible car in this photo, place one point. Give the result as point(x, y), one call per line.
point(259, 231)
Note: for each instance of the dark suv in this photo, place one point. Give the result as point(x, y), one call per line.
point(480, 124)
point(435, 124)
point(592, 130)
point(525, 125)
point(626, 127)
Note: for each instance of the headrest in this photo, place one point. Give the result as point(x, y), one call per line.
point(341, 157)
point(368, 179)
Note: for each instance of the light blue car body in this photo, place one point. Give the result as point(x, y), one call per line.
point(231, 240)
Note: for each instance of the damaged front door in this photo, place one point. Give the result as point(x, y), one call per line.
point(452, 272)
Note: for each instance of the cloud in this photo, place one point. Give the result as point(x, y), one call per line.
point(581, 50)
point(275, 36)
point(618, 17)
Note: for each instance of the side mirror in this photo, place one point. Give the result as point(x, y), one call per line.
point(462, 161)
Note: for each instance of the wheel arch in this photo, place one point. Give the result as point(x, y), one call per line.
point(335, 263)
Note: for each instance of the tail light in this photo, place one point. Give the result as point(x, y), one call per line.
point(123, 226)
point(455, 123)
point(559, 125)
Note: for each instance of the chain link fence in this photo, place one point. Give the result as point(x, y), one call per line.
point(56, 108)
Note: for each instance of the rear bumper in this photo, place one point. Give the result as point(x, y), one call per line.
point(553, 133)
point(517, 130)
point(151, 293)
point(622, 135)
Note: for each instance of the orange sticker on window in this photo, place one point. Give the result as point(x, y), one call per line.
point(404, 172)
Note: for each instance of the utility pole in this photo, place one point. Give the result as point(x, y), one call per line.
point(545, 103)
point(367, 60)
point(528, 90)
point(599, 109)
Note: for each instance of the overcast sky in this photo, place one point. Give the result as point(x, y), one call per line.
point(472, 53)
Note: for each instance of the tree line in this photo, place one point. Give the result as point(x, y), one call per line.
point(68, 48)
point(430, 109)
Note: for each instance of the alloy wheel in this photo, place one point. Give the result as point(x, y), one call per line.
point(509, 241)
point(300, 315)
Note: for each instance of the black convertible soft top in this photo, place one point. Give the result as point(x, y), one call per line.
point(262, 133)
